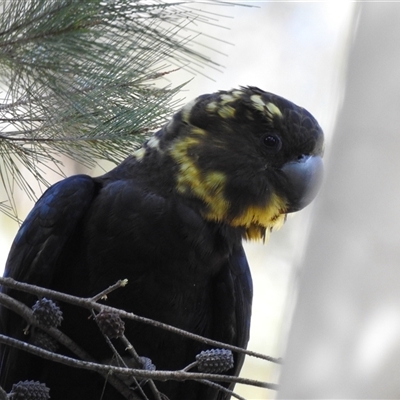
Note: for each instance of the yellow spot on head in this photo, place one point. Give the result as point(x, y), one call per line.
point(258, 102)
point(226, 99)
point(153, 142)
point(269, 109)
point(212, 107)
point(274, 110)
point(186, 110)
point(226, 112)
point(139, 153)
point(237, 94)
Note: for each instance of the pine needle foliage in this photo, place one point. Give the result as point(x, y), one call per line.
point(78, 79)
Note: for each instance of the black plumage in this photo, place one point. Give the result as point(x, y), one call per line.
point(170, 219)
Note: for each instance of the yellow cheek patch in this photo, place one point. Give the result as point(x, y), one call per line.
point(179, 151)
point(261, 215)
point(257, 232)
point(207, 186)
point(211, 191)
point(257, 219)
point(198, 131)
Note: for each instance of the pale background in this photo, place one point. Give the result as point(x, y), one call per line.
point(298, 50)
point(345, 337)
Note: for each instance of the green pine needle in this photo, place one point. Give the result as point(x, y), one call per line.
point(78, 79)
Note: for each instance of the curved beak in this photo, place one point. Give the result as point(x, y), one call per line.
point(304, 178)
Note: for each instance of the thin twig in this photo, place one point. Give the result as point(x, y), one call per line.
point(222, 389)
point(3, 394)
point(24, 40)
point(190, 366)
point(26, 313)
point(68, 139)
point(140, 373)
point(131, 350)
point(212, 384)
point(27, 100)
point(103, 295)
point(88, 304)
point(117, 356)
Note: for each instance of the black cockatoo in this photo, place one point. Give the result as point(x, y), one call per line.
point(171, 219)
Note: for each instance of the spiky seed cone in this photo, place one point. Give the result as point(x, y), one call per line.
point(110, 324)
point(29, 390)
point(47, 313)
point(43, 340)
point(148, 364)
point(214, 360)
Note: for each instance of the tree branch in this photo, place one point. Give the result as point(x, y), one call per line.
point(139, 373)
point(91, 305)
point(26, 313)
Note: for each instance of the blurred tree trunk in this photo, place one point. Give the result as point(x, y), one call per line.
point(345, 337)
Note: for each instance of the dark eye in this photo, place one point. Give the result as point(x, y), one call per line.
point(272, 142)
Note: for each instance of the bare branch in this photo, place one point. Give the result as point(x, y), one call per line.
point(3, 394)
point(117, 356)
point(222, 389)
point(26, 313)
point(139, 373)
point(131, 350)
point(89, 304)
point(103, 295)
